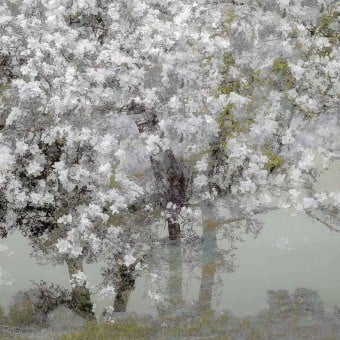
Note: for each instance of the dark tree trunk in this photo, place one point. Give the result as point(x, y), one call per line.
point(172, 186)
point(171, 182)
point(82, 303)
point(174, 230)
point(125, 283)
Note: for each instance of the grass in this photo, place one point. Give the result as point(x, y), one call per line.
point(122, 329)
point(202, 324)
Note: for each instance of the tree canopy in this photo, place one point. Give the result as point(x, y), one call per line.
point(119, 116)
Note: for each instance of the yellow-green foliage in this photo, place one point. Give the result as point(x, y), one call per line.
point(325, 21)
point(280, 65)
point(247, 87)
point(227, 85)
point(3, 88)
point(229, 19)
point(228, 61)
point(3, 96)
point(205, 325)
point(113, 183)
point(232, 86)
point(181, 328)
point(294, 33)
point(228, 124)
point(281, 75)
point(328, 27)
point(225, 114)
point(21, 315)
point(274, 160)
point(325, 52)
point(168, 327)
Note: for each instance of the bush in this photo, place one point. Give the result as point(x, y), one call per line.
point(2, 314)
point(22, 314)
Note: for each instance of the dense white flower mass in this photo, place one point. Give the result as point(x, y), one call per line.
point(112, 110)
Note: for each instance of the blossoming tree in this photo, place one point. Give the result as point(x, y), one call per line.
point(118, 115)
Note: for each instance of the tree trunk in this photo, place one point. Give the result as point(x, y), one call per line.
point(172, 186)
point(174, 229)
point(171, 182)
point(121, 300)
point(81, 298)
point(176, 274)
point(124, 286)
point(208, 264)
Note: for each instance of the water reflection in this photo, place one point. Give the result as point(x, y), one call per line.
point(307, 256)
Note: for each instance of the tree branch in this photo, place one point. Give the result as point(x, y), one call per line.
point(256, 212)
point(328, 225)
